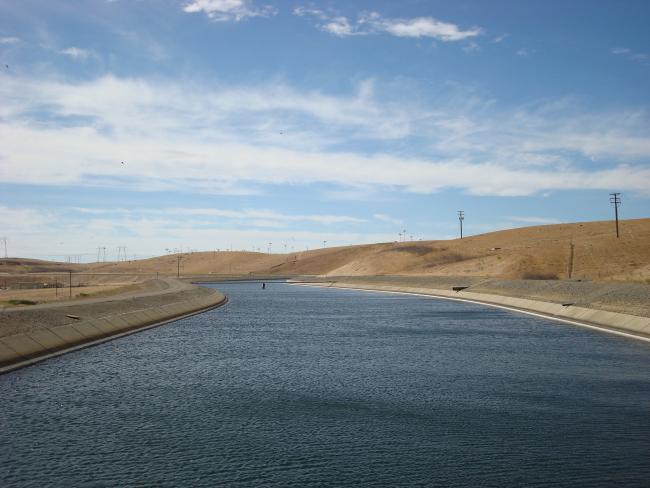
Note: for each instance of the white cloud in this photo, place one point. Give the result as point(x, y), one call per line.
point(302, 11)
point(19, 219)
point(147, 231)
point(418, 27)
point(228, 10)
point(227, 139)
point(631, 55)
point(76, 53)
point(523, 53)
point(387, 218)
point(340, 26)
point(471, 47)
point(374, 23)
point(257, 214)
point(9, 40)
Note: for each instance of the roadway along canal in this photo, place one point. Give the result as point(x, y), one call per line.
point(293, 386)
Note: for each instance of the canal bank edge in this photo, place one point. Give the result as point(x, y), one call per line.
point(21, 350)
point(632, 326)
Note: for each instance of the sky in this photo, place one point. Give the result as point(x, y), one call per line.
point(160, 125)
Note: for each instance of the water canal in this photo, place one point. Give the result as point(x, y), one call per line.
point(293, 386)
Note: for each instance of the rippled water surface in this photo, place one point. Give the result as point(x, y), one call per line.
point(296, 386)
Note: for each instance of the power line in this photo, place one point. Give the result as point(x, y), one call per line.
point(615, 200)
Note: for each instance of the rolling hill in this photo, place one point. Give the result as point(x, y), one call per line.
point(588, 250)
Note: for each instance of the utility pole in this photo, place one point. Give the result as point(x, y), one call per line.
point(615, 199)
point(461, 217)
point(4, 241)
point(178, 265)
point(70, 274)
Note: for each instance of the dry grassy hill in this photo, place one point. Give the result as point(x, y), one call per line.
point(587, 250)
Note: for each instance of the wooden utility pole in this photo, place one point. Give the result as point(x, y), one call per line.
point(70, 273)
point(615, 199)
point(461, 217)
point(569, 270)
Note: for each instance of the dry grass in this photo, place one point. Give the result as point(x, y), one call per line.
point(53, 295)
point(524, 253)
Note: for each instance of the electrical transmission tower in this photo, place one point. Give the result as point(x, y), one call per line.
point(121, 253)
point(101, 254)
point(461, 217)
point(615, 200)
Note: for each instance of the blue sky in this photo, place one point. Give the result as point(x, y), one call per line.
point(241, 123)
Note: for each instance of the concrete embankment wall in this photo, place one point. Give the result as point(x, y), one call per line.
point(25, 348)
point(631, 325)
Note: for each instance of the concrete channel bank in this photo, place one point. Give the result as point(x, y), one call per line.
point(50, 330)
point(633, 326)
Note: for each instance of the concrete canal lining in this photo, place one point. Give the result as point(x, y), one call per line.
point(101, 320)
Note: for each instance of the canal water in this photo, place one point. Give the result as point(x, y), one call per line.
point(296, 386)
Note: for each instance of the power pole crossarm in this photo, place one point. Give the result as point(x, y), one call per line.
point(615, 200)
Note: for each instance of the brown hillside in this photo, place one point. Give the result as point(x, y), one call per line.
point(587, 250)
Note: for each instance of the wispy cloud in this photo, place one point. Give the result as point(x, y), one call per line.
point(418, 27)
point(76, 53)
point(228, 10)
point(147, 231)
point(471, 47)
point(247, 214)
point(9, 40)
point(631, 55)
point(374, 23)
point(387, 218)
point(234, 139)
